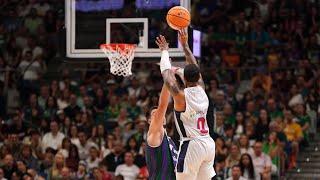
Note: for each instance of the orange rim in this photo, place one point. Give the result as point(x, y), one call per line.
point(115, 46)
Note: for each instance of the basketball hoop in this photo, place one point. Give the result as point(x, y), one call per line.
point(120, 57)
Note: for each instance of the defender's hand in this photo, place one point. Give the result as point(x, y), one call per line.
point(162, 43)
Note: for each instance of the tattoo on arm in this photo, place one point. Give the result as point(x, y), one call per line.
point(171, 82)
point(190, 59)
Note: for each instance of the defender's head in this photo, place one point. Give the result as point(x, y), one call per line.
point(150, 113)
point(191, 73)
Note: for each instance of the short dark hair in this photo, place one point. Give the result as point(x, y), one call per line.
point(192, 73)
point(236, 166)
point(148, 113)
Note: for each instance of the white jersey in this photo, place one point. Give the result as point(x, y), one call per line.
point(197, 148)
point(192, 122)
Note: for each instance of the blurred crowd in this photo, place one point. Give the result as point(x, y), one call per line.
point(260, 63)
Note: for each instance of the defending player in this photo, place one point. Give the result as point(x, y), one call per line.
point(197, 148)
point(161, 153)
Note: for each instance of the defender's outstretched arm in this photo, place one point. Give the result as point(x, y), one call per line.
point(169, 75)
point(156, 124)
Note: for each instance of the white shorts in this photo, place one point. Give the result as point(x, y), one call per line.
point(196, 159)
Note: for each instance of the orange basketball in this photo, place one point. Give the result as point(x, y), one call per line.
point(178, 18)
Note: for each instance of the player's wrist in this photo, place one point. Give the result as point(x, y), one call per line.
point(165, 61)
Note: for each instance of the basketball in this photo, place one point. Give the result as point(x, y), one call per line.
point(178, 18)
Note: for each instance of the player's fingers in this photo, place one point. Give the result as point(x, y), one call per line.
point(163, 39)
point(159, 44)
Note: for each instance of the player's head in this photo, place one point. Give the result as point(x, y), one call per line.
point(151, 113)
point(191, 73)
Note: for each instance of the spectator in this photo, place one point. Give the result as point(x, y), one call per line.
point(65, 146)
point(141, 134)
point(35, 143)
point(108, 145)
point(228, 135)
point(244, 145)
point(97, 137)
point(52, 139)
point(250, 132)
point(2, 174)
point(46, 164)
point(51, 108)
point(72, 109)
point(247, 168)
point(129, 131)
point(18, 125)
point(30, 70)
point(239, 125)
point(21, 166)
point(33, 112)
point(261, 161)
point(57, 168)
point(273, 149)
point(115, 158)
point(236, 173)
point(73, 133)
point(72, 161)
point(13, 144)
point(294, 136)
point(219, 128)
point(8, 166)
point(93, 160)
point(263, 125)
point(26, 156)
point(43, 97)
point(128, 170)
point(82, 171)
point(100, 103)
point(63, 100)
point(85, 123)
point(234, 156)
point(261, 82)
point(84, 145)
point(222, 171)
point(133, 110)
point(65, 173)
point(221, 149)
point(104, 171)
point(273, 110)
point(303, 120)
point(132, 146)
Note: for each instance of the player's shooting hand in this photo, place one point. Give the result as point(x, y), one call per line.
point(162, 43)
point(183, 37)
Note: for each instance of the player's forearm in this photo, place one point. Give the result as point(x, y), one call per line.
point(190, 59)
point(163, 101)
point(170, 81)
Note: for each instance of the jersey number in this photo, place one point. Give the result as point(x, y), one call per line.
point(201, 122)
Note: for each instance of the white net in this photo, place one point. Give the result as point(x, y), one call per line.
point(120, 57)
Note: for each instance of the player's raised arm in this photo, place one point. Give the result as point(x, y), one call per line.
point(190, 59)
point(159, 116)
point(183, 39)
point(169, 75)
